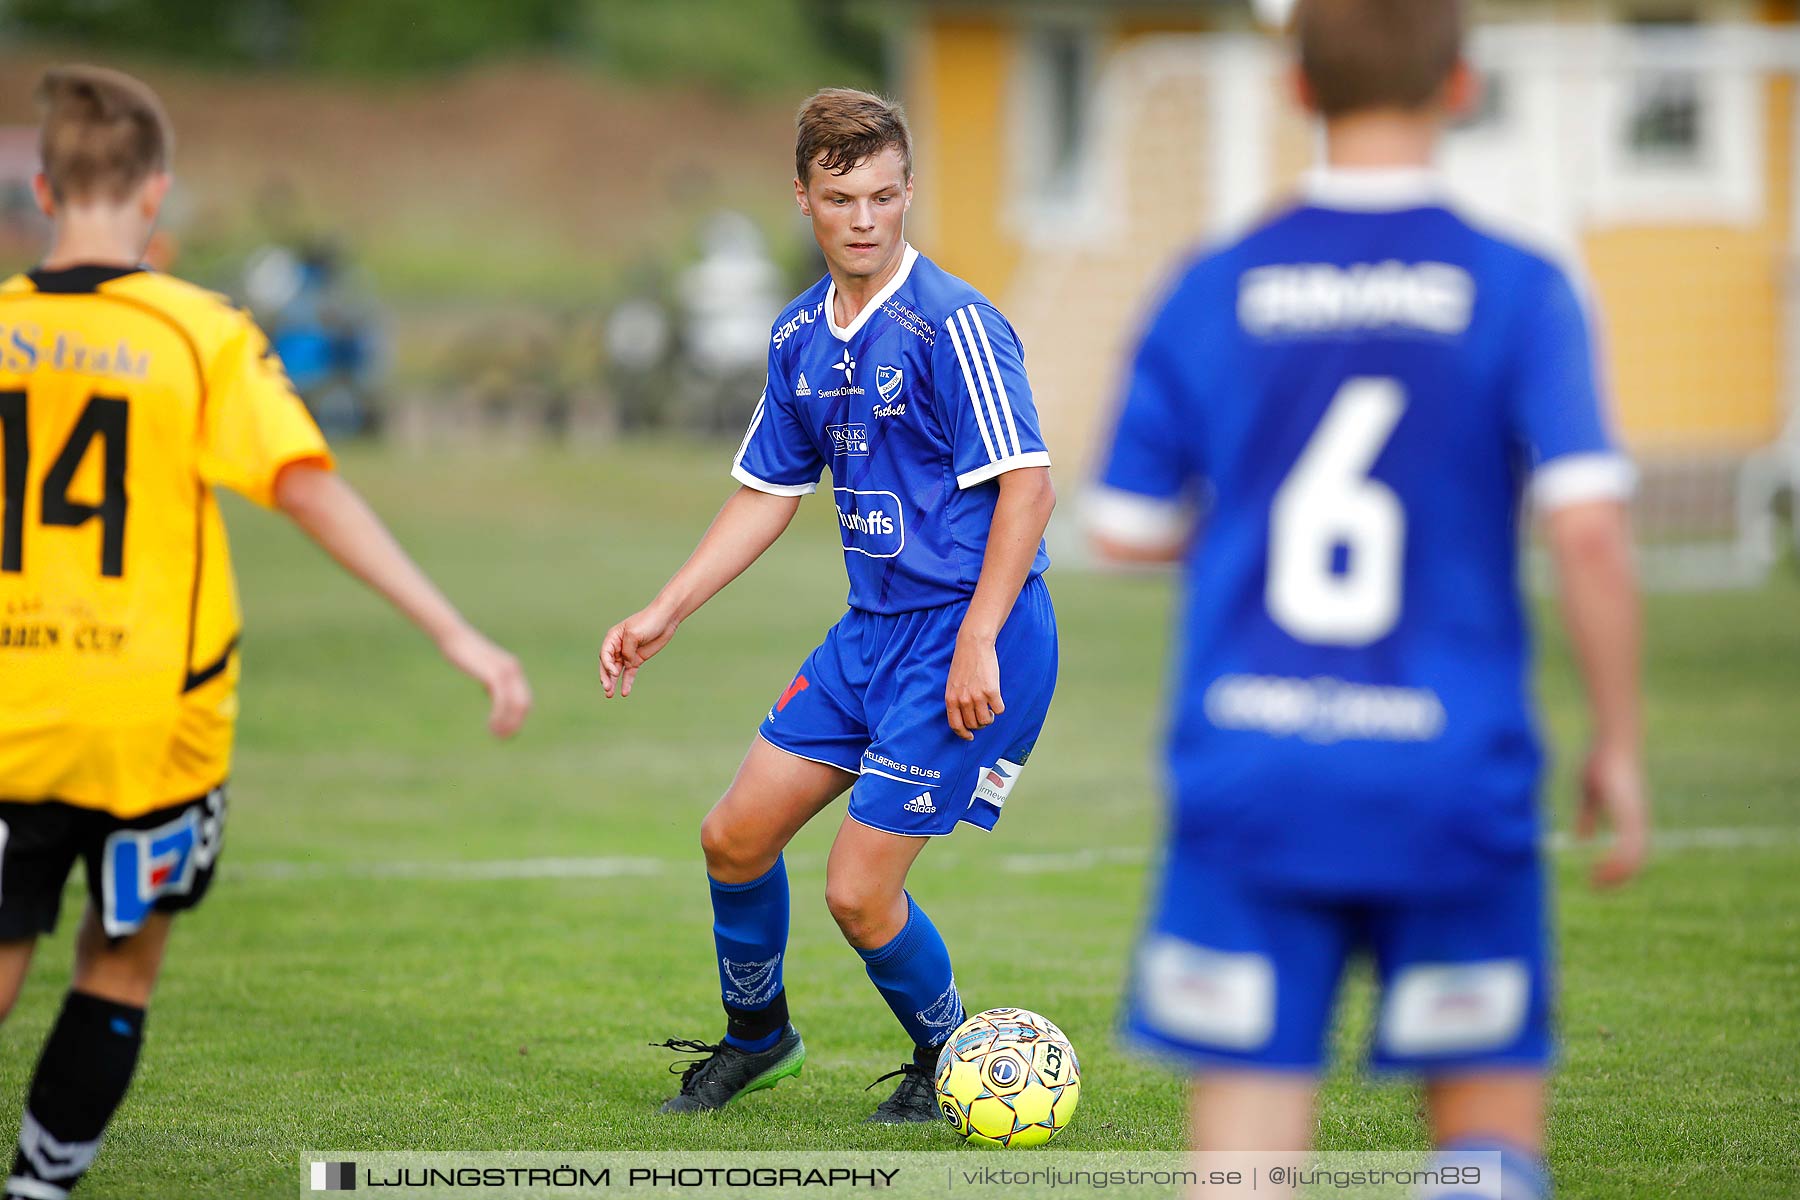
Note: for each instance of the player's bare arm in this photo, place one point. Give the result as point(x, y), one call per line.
point(972, 694)
point(337, 518)
point(1129, 530)
point(1591, 546)
point(1117, 552)
point(748, 524)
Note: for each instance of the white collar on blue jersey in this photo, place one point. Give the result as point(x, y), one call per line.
point(1373, 189)
point(907, 259)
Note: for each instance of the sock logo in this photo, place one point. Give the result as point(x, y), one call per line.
point(921, 803)
point(49, 1157)
point(943, 1014)
point(751, 984)
point(334, 1177)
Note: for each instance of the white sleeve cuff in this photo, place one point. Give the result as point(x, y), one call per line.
point(1037, 458)
point(1136, 520)
point(1579, 478)
point(774, 489)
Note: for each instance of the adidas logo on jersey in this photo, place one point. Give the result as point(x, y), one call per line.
point(921, 803)
point(801, 388)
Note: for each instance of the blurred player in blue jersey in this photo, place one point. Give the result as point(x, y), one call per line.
point(1332, 423)
point(925, 699)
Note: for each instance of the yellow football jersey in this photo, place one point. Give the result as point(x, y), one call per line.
point(124, 397)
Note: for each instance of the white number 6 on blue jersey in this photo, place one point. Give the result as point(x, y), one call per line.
point(1327, 501)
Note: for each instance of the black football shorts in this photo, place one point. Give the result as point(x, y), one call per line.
point(161, 861)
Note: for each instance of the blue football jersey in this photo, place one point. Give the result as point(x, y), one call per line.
point(917, 408)
point(1351, 402)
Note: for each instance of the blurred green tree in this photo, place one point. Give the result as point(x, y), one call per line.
point(737, 44)
point(734, 44)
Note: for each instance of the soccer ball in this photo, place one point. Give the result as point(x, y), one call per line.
point(1008, 1077)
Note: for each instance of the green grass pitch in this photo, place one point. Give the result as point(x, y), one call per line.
point(354, 983)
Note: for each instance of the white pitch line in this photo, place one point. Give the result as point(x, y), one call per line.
point(1730, 837)
point(1672, 841)
point(1074, 860)
point(487, 869)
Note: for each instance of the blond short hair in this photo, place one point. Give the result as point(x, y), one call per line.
point(104, 133)
point(840, 127)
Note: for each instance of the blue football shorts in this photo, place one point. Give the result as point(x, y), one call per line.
point(870, 700)
point(1230, 975)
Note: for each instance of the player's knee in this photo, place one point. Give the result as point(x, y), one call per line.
point(717, 842)
point(850, 912)
point(12, 980)
point(122, 981)
point(857, 911)
point(730, 856)
point(125, 973)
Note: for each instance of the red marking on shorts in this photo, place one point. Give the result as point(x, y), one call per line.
point(794, 689)
point(160, 875)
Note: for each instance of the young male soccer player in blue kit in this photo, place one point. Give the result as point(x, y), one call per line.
point(1350, 401)
point(911, 388)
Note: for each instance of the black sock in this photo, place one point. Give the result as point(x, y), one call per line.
point(81, 1077)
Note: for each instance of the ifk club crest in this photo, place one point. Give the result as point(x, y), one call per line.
point(887, 383)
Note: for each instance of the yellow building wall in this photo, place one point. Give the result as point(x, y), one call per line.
point(1693, 315)
point(1692, 325)
point(958, 92)
point(958, 99)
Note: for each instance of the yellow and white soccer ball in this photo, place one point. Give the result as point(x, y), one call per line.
point(1008, 1077)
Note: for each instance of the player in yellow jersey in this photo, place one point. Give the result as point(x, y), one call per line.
point(125, 397)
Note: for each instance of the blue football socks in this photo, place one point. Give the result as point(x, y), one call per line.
point(913, 974)
point(750, 932)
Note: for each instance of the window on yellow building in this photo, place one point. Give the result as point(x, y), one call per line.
point(1665, 116)
point(1053, 120)
point(1678, 117)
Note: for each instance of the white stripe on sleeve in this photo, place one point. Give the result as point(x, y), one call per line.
point(755, 420)
point(987, 393)
point(1578, 478)
point(1143, 522)
point(969, 379)
point(999, 383)
point(774, 489)
point(968, 479)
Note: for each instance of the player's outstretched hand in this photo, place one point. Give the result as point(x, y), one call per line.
point(1612, 786)
point(629, 645)
point(509, 695)
point(972, 696)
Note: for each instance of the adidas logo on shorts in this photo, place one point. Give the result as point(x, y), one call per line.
point(921, 803)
